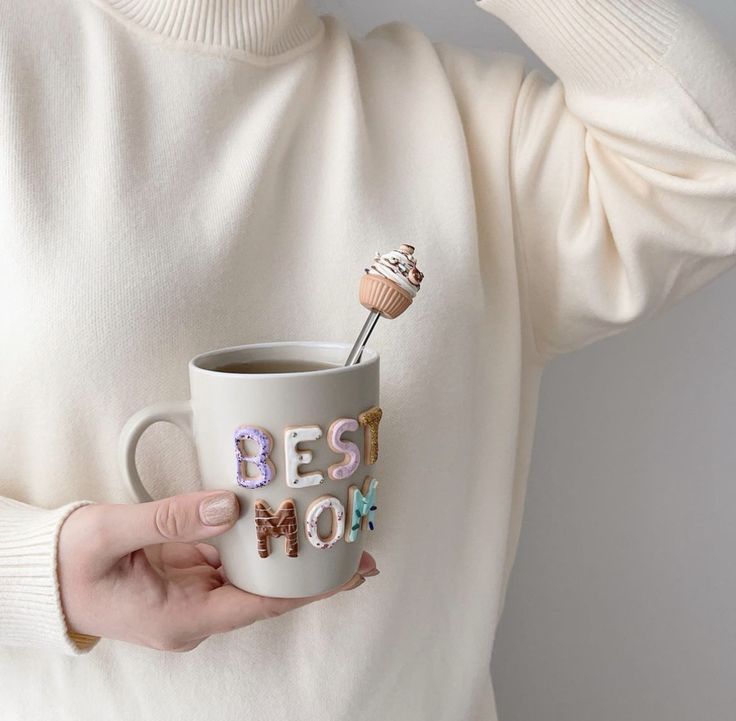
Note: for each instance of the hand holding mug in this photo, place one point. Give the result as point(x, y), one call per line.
point(294, 435)
point(141, 573)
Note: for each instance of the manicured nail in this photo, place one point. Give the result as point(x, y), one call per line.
point(218, 509)
point(358, 582)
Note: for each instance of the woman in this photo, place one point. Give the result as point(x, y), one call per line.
point(177, 177)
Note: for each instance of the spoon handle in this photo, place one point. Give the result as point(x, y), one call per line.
point(363, 336)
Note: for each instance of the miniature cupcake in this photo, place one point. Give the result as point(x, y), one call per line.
point(390, 284)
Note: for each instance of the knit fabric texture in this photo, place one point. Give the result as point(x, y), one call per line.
point(181, 176)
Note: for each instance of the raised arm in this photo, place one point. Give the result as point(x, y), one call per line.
point(623, 170)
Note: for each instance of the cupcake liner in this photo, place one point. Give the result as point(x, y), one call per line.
point(379, 293)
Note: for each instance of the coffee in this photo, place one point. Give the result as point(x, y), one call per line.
point(274, 366)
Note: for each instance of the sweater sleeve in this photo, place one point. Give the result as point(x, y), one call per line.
point(31, 614)
point(623, 168)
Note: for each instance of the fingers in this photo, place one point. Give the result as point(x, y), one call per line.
point(153, 553)
point(367, 565)
point(189, 646)
point(228, 607)
point(210, 554)
point(186, 517)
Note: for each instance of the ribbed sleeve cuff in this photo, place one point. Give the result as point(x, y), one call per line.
point(31, 613)
point(592, 44)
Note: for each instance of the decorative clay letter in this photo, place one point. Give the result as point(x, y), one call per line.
point(351, 459)
point(281, 523)
point(369, 420)
point(316, 507)
point(295, 456)
point(261, 459)
point(361, 508)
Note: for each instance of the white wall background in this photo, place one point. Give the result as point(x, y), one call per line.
point(622, 602)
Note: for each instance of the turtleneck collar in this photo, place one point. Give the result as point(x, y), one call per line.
point(254, 29)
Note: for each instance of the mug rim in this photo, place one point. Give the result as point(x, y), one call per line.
point(368, 358)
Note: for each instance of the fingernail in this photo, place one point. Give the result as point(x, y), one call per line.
point(218, 509)
point(372, 572)
point(358, 581)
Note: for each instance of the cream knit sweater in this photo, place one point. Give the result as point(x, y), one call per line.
point(177, 176)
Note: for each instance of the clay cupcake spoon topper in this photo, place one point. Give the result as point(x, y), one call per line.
point(387, 289)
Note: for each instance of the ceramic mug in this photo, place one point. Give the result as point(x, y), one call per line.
point(297, 448)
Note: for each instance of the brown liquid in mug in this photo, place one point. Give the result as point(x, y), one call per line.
point(274, 366)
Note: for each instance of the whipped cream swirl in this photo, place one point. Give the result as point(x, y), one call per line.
point(400, 267)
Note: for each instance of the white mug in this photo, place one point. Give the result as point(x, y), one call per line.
point(297, 448)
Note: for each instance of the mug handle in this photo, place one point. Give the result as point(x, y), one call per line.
point(177, 412)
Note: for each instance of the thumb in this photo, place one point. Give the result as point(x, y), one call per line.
point(184, 518)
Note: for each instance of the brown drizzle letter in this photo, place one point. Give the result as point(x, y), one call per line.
point(281, 523)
